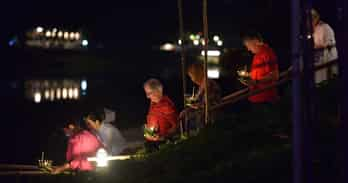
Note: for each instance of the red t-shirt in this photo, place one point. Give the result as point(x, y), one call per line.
point(162, 115)
point(263, 64)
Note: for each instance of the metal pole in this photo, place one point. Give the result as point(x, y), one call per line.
point(205, 67)
point(310, 99)
point(296, 93)
point(342, 38)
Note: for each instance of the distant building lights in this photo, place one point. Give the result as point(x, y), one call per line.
point(52, 94)
point(212, 53)
point(168, 47)
point(192, 37)
point(58, 93)
point(219, 43)
point(72, 35)
point(47, 94)
point(216, 38)
point(66, 35)
point(64, 93)
point(84, 43)
point(12, 42)
point(213, 73)
point(37, 97)
point(60, 34)
point(84, 85)
point(76, 93)
point(77, 36)
point(196, 42)
point(48, 34)
point(54, 30)
point(180, 42)
point(39, 29)
point(70, 93)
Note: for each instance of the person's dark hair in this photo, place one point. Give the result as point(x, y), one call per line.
point(251, 35)
point(76, 122)
point(98, 114)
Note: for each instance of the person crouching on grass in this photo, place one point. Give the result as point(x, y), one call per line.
point(81, 145)
point(109, 135)
point(162, 118)
point(194, 113)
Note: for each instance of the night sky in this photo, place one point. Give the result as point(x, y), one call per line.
point(144, 22)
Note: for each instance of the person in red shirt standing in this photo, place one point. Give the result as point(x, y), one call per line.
point(162, 118)
point(264, 69)
point(264, 72)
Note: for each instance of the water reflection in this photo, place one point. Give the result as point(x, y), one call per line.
point(55, 90)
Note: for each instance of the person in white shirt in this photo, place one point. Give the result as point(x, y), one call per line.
point(109, 135)
point(324, 46)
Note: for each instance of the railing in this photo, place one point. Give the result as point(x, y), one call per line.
point(284, 77)
point(245, 92)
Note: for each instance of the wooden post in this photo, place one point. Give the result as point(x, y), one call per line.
point(183, 56)
point(310, 95)
point(183, 51)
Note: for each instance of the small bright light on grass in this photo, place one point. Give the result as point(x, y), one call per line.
point(102, 158)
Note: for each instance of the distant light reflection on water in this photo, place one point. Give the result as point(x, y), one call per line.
point(52, 90)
